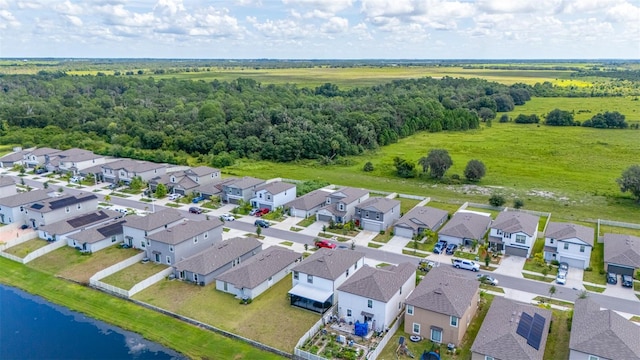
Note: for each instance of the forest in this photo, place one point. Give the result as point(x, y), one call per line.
point(170, 120)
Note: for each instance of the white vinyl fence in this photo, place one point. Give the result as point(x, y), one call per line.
point(95, 279)
point(373, 354)
point(117, 267)
point(18, 240)
point(44, 250)
point(150, 281)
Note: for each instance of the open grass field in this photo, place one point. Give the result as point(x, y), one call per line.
point(269, 319)
point(604, 229)
point(22, 250)
point(191, 341)
point(583, 108)
point(129, 276)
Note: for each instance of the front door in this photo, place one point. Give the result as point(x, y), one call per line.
point(157, 258)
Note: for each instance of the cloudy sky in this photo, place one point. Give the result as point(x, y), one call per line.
point(321, 29)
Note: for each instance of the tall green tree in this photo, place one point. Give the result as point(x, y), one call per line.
point(630, 181)
point(161, 191)
point(437, 162)
point(475, 170)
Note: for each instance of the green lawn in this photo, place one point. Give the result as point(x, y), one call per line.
point(604, 229)
point(597, 265)
point(557, 346)
point(129, 276)
point(537, 277)
point(262, 320)
point(22, 250)
point(449, 207)
point(406, 204)
point(375, 246)
point(531, 265)
point(494, 213)
point(189, 340)
point(597, 289)
point(383, 238)
point(589, 106)
point(306, 222)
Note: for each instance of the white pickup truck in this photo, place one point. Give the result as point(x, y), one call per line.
point(465, 264)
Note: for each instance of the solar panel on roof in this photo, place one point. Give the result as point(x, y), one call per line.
point(535, 335)
point(37, 206)
point(56, 204)
point(524, 326)
point(87, 219)
point(111, 230)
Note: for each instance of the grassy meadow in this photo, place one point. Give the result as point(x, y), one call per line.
point(583, 108)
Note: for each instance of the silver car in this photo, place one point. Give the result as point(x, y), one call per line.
point(561, 278)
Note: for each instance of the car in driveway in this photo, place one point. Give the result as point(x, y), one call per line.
point(487, 279)
point(195, 210)
point(440, 246)
point(261, 212)
point(174, 196)
point(612, 278)
point(197, 199)
point(627, 281)
point(261, 223)
point(451, 248)
point(563, 266)
point(253, 212)
point(325, 244)
point(76, 179)
point(227, 217)
point(561, 278)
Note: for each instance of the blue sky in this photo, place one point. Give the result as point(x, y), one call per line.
point(321, 29)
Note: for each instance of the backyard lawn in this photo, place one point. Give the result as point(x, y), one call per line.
point(27, 247)
point(269, 319)
point(449, 207)
point(406, 204)
point(596, 263)
point(131, 275)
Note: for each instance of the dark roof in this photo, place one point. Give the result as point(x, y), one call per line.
point(603, 333)
point(87, 219)
point(308, 201)
point(75, 155)
point(329, 263)
point(50, 204)
point(379, 283)
point(184, 231)
point(497, 336)
point(81, 221)
point(466, 225)
point(564, 231)
point(443, 291)
point(24, 198)
point(379, 204)
point(217, 256)
point(275, 187)
point(422, 217)
point(154, 220)
point(260, 267)
point(244, 183)
point(622, 249)
point(98, 233)
point(516, 221)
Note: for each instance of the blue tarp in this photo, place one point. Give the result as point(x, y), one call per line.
point(361, 329)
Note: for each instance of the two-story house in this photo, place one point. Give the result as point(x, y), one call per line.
point(203, 267)
point(241, 189)
point(570, 243)
point(126, 169)
point(13, 208)
point(621, 253)
point(16, 157)
point(316, 279)
point(340, 205)
point(37, 157)
point(464, 228)
point(377, 214)
point(60, 230)
point(442, 306)
point(307, 204)
point(138, 227)
point(273, 195)
point(73, 161)
point(602, 334)
point(513, 233)
point(7, 186)
point(181, 241)
point(418, 220)
point(186, 181)
point(376, 295)
point(54, 209)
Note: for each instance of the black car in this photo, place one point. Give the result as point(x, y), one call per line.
point(612, 278)
point(627, 281)
point(451, 248)
point(261, 223)
point(195, 210)
point(440, 246)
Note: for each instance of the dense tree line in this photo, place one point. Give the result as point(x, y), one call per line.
point(168, 119)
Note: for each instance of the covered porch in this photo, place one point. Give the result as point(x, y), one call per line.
point(311, 298)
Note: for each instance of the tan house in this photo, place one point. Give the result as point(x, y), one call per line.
point(442, 306)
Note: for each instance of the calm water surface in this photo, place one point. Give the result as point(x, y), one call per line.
point(33, 328)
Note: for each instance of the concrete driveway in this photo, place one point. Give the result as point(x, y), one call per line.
point(620, 291)
point(511, 266)
point(574, 278)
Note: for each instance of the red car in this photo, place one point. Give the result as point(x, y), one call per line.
point(325, 244)
point(262, 211)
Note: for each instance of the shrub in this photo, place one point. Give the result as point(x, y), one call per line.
point(588, 268)
point(368, 167)
point(518, 203)
point(555, 262)
point(496, 200)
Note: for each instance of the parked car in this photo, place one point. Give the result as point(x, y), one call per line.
point(325, 244)
point(174, 196)
point(426, 265)
point(227, 217)
point(440, 246)
point(40, 171)
point(451, 248)
point(76, 179)
point(263, 211)
point(564, 266)
point(197, 199)
point(253, 212)
point(261, 223)
point(561, 278)
point(24, 226)
point(465, 264)
point(113, 186)
point(612, 278)
point(627, 281)
point(195, 210)
point(487, 279)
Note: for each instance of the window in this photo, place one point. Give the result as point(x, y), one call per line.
point(348, 312)
point(310, 279)
point(268, 197)
point(489, 358)
point(366, 214)
point(370, 304)
point(581, 248)
point(168, 260)
point(142, 243)
point(550, 241)
point(148, 242)
point(66, 209)
point(409, 309)
point(358, 211)
point(436, 335)
point(195, 277)
point(454, 321)
point(400, 290)
point(593, 357)
point(171, 248)
point(113, 238)
point(347, 273)
point(416, 328)
point(79, 207)
point(206, 235)
point(195, 240)
point(355, 267)
point(377, 216)
point(341, 207)
point(499, 232)
point(521, 239)
point(296, 275)
point(566, 246)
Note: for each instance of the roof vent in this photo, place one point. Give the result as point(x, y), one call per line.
point(437, 291)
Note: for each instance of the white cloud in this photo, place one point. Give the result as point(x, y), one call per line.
point(26, 4)
point(335, 25)
point(8, 20)
point(586, 6)
point(74, 20)
point(68, 8)
point(330, 6)
point(624, 12)
point(517, 7)
point(169, 7)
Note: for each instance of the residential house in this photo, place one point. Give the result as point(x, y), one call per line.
point(126, 169)
point(138, 227)
point(340, 205)
point(7, 186)
point(376, 295)
point(442, 306)
point(464, 228)
point(16, 157)
point(13, 208)
point(512, 330)
point(52, 209)
point(37, 157)
point(60, 230)
point(241, 189)
point(514, 232)
point(99, 237)
point(570, 243)
point(186, 181)
point(601, 334)
point(418, 220)
point(621, 253)
point(316, 279)
point(203, 267)
point(307, 204)
point(181, 241)
point(214, 188)
point(257, 274)
point(377, 214)
point(73, 161)
point(273, 195)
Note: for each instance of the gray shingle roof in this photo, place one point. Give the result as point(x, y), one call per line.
point(498, 338)
point(75, 155)
point(329, 264)
point(276, 187)
point(184, 231)
point(308, 201)
point(6, 181)
point(260, 267)
point(378, 284)
point(516, 221)
point(133, 165)
point(54, 203)
point(81, 221)
point(98, 233)
point(423, 216)
point(622, 249)
point(24, 198)
point(201, 171)
point(154, 220)
point(213, 258)
point(563, 231)
point(379, 204)
point(444, 292)
point(348, 195)
point(603, 333)
point(214, 187)
point(466, 225)
point(244, 183)
point(14, 156)
point(43, 151)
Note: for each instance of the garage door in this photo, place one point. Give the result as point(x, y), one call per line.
point(511, 250)
point(234, 201)
point(404, 232)
point(371, 226)
point(326, 218)
point(621, 270)
point(575, 263)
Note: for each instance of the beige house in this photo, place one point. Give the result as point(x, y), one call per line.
point(442, 306)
